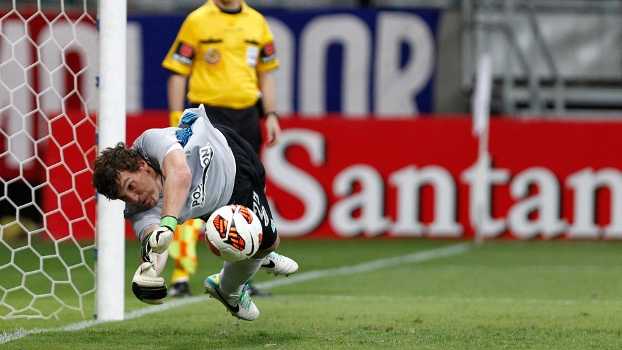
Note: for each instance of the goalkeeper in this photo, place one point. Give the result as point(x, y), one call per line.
point(223, 56)
point(174, 174)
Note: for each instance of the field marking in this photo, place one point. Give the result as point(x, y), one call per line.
point(480, 300)
point(20, 333)
point(301, 277)
point(369, 266)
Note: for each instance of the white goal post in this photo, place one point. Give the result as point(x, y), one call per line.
point(111, 125)
point(62, 100)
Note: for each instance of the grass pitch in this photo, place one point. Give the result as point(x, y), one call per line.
point(378, 294)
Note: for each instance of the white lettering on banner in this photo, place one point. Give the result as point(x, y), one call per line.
point(409, 181)
point(300, 184)
point(585, 184)
point(370, 200)
point(394, 86)
point(54, 43)
point(490, 227)
point(134, 68)
point(284, 76)
point(323, 31)
point(545, 203)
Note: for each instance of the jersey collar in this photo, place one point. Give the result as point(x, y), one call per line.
point(211, 5)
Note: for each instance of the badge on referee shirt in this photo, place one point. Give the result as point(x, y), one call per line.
point(212, 56)
point(252, 53)
point(184, 53)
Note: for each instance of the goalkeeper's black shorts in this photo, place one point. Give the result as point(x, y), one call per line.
point(243, 121)
point(250, 182)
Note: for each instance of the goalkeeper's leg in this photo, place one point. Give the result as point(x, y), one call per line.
point(183, 251)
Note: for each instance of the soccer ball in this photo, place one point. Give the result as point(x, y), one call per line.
point(233, 233)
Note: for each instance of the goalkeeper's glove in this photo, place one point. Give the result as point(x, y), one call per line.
point(147, 286)
point(159, 239)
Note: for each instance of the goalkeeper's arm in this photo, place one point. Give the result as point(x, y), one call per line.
point(154, 244)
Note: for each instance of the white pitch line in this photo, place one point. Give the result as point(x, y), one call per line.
point(369, 266)
point(20, 333)
point(301, 277)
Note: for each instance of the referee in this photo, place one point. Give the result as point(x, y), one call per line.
point(223, 56)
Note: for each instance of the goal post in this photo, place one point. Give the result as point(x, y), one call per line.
point(111, 129)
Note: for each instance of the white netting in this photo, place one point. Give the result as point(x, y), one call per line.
point(48, 60)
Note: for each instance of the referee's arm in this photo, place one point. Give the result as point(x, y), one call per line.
point(176, 94)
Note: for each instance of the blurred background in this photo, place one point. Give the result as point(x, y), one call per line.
point(551, 57)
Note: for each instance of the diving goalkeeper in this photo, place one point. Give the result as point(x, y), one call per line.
point(231, 75)
point(174, 174)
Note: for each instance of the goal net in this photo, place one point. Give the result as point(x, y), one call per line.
point(48, 102)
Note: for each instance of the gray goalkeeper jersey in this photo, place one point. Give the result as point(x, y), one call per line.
point(210, 160)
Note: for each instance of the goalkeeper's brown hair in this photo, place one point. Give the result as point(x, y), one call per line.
point(109, 164)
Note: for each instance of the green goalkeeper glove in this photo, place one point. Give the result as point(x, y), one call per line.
point(159, 239)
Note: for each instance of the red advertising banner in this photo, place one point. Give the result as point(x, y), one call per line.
point(338, 177)
point(418, 178)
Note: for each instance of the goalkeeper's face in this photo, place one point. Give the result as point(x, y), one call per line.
point(141, 188)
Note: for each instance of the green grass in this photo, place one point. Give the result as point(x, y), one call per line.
point(502, 295)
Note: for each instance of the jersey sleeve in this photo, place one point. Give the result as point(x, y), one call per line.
point(141, 218)
point(181, 54)
point(267, 56)
point(154, 145)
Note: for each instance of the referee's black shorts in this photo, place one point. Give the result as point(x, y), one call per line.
point(250, 182)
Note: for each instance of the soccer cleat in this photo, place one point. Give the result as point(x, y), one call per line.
point(180, 289)
point(279, 264)
point(239, 305)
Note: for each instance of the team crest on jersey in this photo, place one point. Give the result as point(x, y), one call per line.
point(212, 56)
